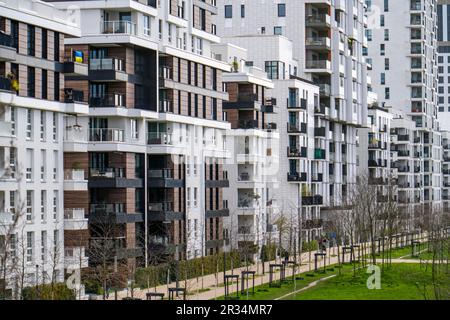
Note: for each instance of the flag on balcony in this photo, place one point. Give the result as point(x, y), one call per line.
point(78, 55)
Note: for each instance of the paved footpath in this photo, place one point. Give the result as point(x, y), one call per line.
point(215, 286)
point(198, 288)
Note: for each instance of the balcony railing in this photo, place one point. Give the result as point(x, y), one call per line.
point(74, 174)
point(317, 64)
point(316, 19)
point(108, 101)
point(318, 41)
point(161, 173)
point(5, 84)
point(107, 207)
point(110, 173)
point(296, 176)
point(118, 27)
point(6, 40)
point(107, 135)
point(159, 138)
point(160, 206)
point(74, 214)
point(166, 106)
point(107, 64)
point(297, 152)
point(71, 95)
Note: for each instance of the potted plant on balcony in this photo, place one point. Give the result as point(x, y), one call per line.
point(235, 66)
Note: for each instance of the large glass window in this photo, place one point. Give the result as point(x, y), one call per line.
point(282, 10)
point(228, 11)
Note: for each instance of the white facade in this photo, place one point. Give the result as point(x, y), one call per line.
point(405, 79)
point(32, 178)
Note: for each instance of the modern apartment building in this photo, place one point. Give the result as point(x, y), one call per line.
point(155, 130)
point(412, 93)
point(36, 191)
point(328, 43)
point(253, 143)
point(443, 37)
point(302, 173)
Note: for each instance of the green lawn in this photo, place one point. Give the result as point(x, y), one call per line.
point(399, 282)
point(264, 292)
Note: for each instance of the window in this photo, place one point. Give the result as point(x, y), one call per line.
point(30, 243)
point(369, 34)
point(43, 163)
point(147, 26)
point(29, 127)
point(271, 68)
point(44, 43)
point(242, 11)
point(31, 40)
point(278, 30)
point(134, 129)
point(56, 46)
point(29, 208)
point(44, 84)
point(263, 30)
point(382, 20)
point(160, 28)
point(54, 126)
point(42, 126)
point(43, 245)
point(55, 204)
point(55, 165)
point(56, 86)
point(228, 11)
point(195, 196)
point(382, 78)
point(386, 5)
point(386, 64)
point(387, 94)
point(12, 203)
point(29, 168)
point(282, 10)
point(386, 34)
point(13, 121)
point(31, 82)
point(188, 197)
point(43, 204)
point(382, 49)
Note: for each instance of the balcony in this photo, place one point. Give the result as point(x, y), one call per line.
point(118, 27)
point(248, 124)
point(217, 212)
point(245, 101)
point(115, 100)
point(113, 213)
point(319, 154)
point(320, 132)
point(7, 51)
point(318, 21)
point(107, 135)
point(318, 43)
point(107, 69)
point(218, 182)
point(74, 219)
point(75, 258)
point(317, 177)
point(73, 68)
point(312, 200)
point(403, 153)
point(297, 104)
point(297, 177)
point(5, 84)
point(324, 89)
point(112, 178)
point(166, 106)
point(297, 127)
point(159, 138)
point(163, 211)
point(73, 96)
point(74, 180)
point(164, 178)
point(294, 152)
point(318, 66)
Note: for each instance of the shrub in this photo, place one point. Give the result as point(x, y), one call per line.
point(55, 291)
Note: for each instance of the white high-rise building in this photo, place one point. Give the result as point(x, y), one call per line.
point(253, 142)
point(35, 114)
point(326, 70)
point(402, 51)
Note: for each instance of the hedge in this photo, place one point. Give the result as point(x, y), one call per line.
point(56, 291)
point(187, 269)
